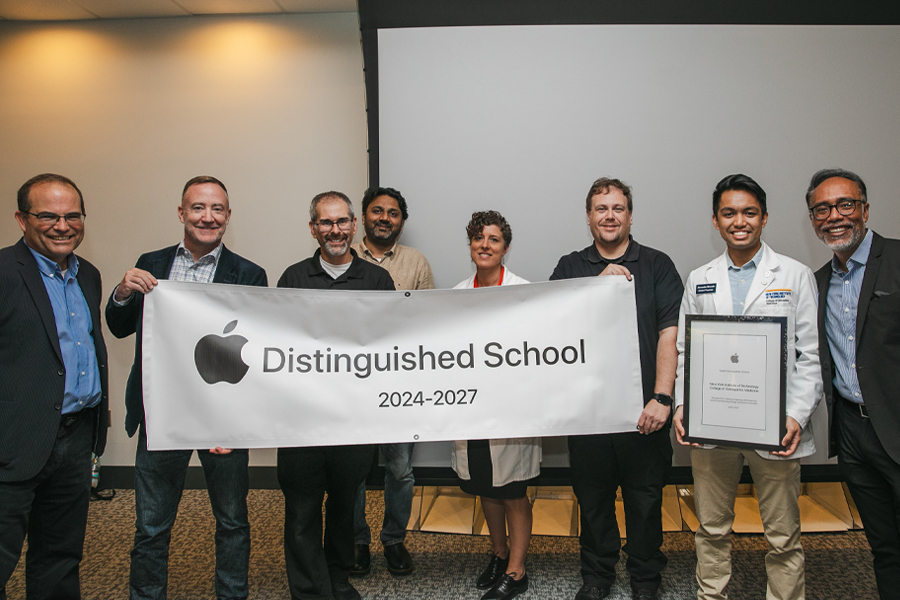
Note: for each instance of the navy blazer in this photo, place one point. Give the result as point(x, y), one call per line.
point(877, 343)
point(125, 320)
point(32, 371)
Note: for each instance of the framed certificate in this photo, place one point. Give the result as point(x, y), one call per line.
point(735, 374)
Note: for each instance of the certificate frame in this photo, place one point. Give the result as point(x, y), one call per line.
point(727, 401)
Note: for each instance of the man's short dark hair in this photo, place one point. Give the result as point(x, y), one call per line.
point(23, 200)
point(602, 185)
point(739, 181)
point(332, 195)
point(482, 219)
point(374, 192)
point(824, 174)
point(203, 179)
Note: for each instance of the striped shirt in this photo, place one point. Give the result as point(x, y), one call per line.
point(840, 319)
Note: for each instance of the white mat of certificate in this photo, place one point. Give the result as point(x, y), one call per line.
point(246, 367)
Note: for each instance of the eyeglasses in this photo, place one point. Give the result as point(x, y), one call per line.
point(326, 225)
point(844, 207)
point(49, 218)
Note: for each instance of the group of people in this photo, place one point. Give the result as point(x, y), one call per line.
point(844, 341)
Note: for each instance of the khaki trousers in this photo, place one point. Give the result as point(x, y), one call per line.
point(717, 472)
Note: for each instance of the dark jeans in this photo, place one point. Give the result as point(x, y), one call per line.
point(51, 508)
point(398, 494)
point(640, 465)
point(158, 484)
point(874, 482)
point(305, 476)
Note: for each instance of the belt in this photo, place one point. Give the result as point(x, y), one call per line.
point(856, 406)
point(70, 419)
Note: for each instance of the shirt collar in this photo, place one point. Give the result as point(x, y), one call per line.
point(50, 268)
point(183, 251)
point(860, 256)
point(386, 254)
point(757, 258)
point(630, 255)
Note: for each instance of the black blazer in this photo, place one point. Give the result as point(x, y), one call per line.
point(877, 344)
point(125, 320)
point(32, 373)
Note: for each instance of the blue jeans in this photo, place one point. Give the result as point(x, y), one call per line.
point(398, 492)
point(158, 484)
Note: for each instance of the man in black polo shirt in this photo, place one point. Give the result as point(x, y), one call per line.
point(306, 474)
point(639, 461)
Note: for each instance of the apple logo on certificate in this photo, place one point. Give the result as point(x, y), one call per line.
point(734, 358)
point(219, 358)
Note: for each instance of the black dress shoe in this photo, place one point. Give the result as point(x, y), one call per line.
point(507, 587)
point(363, 561)
point(644, 594)
point(592, 592)
point(399, 561)
point(492, 573)
point(344, 591)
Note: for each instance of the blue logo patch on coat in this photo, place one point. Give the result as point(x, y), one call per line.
point(778, 296)
point(706, 288)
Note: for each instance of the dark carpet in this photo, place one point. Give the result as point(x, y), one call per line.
point(837, 565)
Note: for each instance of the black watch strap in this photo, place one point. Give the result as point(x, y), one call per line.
point(664, 399)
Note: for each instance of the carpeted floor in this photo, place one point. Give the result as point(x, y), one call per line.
point(837, 565)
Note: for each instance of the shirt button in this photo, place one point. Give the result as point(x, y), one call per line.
point(82, 372)
point(73, 314)
point(846, 310)
point(856, 394)
point(850, 338)
point(742, 281)
point(853, 366)
point(79, 343)
point(846, 283)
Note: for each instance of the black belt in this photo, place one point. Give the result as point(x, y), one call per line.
point(856, 406)
point(70, 419)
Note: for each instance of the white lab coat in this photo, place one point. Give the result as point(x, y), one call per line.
point(513, 459)
point(774, 273)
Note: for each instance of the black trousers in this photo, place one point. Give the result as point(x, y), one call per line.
point(874, 482)
point(305, 476)
point(640, 465)
point(51, 508)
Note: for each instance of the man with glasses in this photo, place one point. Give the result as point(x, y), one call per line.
point(384, 215)
point(159, 475)
point(749, 278)
point(638, 461)
point(859, 342)
point(307, 474)
point(53, 395)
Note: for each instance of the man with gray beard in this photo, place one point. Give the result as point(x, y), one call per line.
point(859, 346)
point(307, 474)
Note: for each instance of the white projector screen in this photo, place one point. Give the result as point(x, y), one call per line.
point(522, 119)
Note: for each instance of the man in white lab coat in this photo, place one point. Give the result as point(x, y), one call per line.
point(751, 279)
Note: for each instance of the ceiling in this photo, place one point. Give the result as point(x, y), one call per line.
point(68, 10)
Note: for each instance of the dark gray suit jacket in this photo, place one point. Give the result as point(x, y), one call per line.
point(32, 373)
point(877, 344)
point(125, 320)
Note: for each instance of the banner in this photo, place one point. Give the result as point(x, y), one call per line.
point(249, 367)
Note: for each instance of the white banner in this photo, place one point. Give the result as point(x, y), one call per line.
point(249, 367)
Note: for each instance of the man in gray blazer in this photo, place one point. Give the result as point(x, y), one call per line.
point(159, 475)
point(53, 396)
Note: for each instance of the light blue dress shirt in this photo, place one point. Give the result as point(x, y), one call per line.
point(740, 279)
point(74, 327)
point(840, 319)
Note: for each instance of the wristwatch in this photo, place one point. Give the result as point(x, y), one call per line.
point(664, 399)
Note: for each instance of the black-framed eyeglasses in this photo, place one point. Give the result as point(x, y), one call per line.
point(326, 225)
point(49, 218)
point(844, 207)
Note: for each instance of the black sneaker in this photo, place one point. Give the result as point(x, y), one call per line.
point(507, 587)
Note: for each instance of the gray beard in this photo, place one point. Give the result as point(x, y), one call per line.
point(855, 239)
point(330, 251)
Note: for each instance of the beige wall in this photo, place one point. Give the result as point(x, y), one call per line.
point(272, 105)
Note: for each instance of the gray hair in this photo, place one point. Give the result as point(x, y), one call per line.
point(328, 196)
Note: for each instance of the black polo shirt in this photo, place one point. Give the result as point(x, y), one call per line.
point(308, 274)
point(657, 289)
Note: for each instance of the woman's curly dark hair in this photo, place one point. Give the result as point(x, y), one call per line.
point(482, 219)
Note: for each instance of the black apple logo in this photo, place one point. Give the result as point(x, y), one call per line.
point(219, 358)
point(734, 358)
